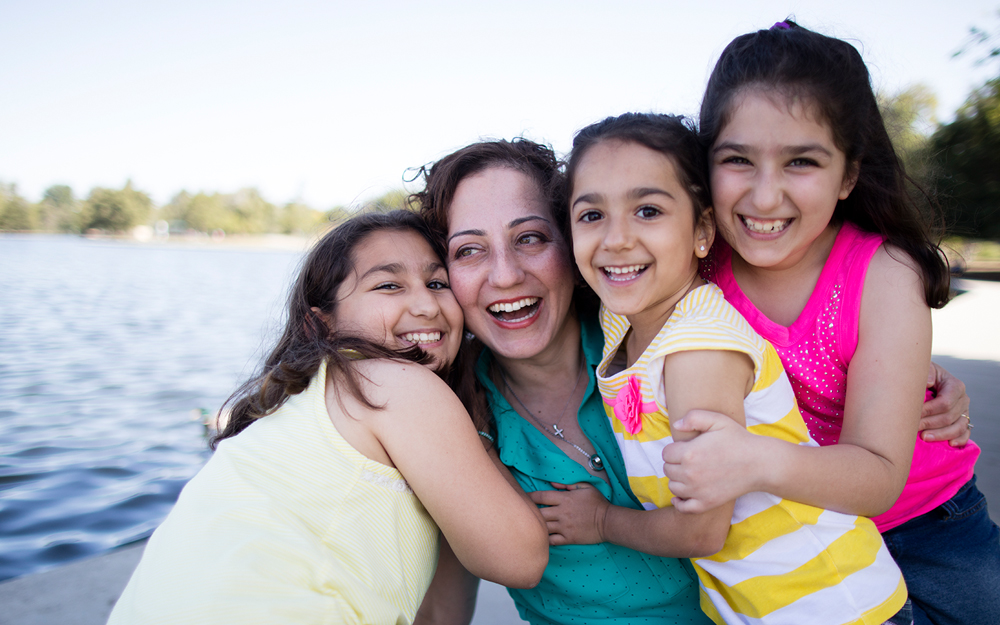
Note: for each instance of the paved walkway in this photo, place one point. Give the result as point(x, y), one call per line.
point(966, 342)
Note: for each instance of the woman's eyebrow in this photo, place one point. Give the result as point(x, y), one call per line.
point(520, 220)
point(475, 233)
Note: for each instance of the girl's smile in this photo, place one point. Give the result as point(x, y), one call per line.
point(777, 176)
point(634, 233)
point(399, 297)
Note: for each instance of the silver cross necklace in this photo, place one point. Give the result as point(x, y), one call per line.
point(593, 460)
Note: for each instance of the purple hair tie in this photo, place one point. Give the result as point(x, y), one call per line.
point(781, 25)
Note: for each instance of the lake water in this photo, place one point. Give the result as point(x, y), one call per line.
point(109, 351)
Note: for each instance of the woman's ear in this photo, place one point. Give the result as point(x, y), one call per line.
point(850, 179)
point(704, 233)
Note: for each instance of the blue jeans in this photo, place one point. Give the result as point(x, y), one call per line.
point(950, 558)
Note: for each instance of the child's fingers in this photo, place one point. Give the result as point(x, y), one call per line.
point(688, 506)
point(700, 421)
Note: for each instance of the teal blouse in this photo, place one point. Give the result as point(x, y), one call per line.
point(589, 583)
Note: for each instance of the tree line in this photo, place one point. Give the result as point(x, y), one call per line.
point(120, 210)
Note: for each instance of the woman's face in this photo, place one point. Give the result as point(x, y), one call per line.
point(509, 265)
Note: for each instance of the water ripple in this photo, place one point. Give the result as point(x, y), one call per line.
point(106, 352)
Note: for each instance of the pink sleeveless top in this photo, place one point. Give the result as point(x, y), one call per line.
point(816, 351)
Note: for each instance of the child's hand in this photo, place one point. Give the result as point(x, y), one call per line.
point(714, 468)
point(575, 513)
point(944, 417)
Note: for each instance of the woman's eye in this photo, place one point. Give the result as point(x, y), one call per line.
point(465, 252)
point(648, 212)
point(589, 216)
point(530, 237)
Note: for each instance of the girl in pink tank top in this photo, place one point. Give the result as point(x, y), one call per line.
point(828, 258)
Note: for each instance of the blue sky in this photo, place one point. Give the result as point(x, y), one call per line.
point(330, 103)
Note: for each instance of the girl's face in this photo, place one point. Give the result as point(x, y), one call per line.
point(509, 266)
point(399, 297)
point(776, 177)
point(634, 233)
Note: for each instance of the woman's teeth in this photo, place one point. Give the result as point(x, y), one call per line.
point(422, 337)
point(513, 306)
point(765, 226)
point(621, 274)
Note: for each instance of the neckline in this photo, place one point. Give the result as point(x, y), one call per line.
point(772, 330)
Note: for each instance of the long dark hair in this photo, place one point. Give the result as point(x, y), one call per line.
point(307, 339)
point(798, 63)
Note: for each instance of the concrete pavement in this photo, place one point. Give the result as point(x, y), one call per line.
point(966, 342)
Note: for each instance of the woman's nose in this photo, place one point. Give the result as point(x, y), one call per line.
point(505, 270)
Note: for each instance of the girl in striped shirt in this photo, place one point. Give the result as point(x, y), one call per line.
point(641, 220)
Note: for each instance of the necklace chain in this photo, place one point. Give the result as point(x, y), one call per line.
point(593, 460)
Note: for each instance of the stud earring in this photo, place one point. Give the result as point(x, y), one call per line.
point(702, 248)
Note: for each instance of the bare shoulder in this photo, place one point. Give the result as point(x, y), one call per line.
point(893, 273)
point(388, 381)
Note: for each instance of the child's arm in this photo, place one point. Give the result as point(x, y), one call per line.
point(866, 471)
point(714, 380)
point(493, 528)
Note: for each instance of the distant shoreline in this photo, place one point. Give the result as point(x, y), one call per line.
point(274, 242)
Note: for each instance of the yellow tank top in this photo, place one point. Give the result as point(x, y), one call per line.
point(287, 523)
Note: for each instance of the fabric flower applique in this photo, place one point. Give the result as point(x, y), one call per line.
point(629, 406)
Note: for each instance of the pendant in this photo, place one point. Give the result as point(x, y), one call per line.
point(596, 463)
point(558, 431)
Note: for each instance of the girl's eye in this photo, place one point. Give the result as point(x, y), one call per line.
point(648, 212)
point(589, 216)
point(803, 162)
point(387, 286)
point(437, 285)
point(736, 160)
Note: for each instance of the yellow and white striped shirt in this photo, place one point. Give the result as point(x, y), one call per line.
point(287, 523)
point(783, 562)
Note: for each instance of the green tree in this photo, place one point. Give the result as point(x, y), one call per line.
point(115, 210)
point(59, 210)
point(967, 153)
point(15, 212)
point(297, 218)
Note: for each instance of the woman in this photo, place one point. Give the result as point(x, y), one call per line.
point(498, 205)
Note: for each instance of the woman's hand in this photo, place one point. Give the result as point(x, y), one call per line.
point(944, 418)
point(716, 467)
point(575, 513)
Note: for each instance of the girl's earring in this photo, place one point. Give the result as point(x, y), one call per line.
point(702, 248)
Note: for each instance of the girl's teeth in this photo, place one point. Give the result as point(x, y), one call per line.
point(513, 306)
point(422, 337)
point(619, 274)
point(765, 226)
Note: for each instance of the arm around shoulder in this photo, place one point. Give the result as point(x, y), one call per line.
point(494, 530)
